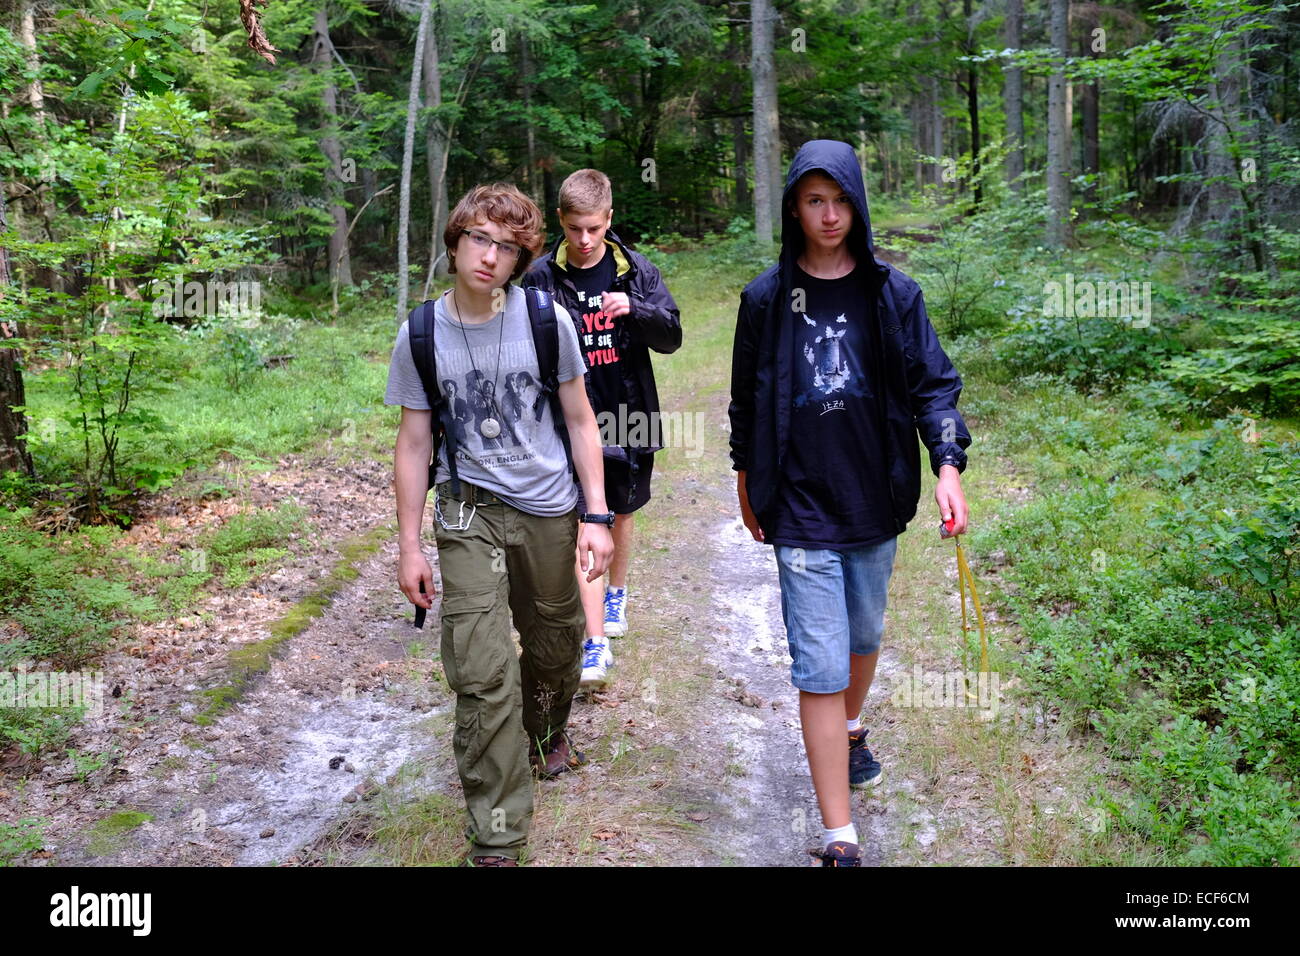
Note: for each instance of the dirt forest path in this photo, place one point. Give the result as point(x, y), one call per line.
point(317, 713)
point(253, 733)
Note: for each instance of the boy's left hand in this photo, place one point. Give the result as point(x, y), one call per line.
point(951, 499)
point(595, 549)
point(614, 304)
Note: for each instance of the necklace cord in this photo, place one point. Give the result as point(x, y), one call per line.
point(500, 333)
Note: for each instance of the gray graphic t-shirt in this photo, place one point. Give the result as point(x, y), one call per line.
point(524, 461)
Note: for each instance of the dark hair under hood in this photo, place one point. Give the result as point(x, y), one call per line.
point(917, 387)
point(838, 161)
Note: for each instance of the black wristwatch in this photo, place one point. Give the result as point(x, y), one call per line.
point(605, 519)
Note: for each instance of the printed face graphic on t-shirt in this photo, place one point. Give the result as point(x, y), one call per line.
point(831, 373)
point(490, 416)
point(507, 420)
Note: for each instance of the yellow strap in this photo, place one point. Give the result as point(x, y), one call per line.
point(964, 576)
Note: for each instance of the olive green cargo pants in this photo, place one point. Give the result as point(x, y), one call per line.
point(506, 563)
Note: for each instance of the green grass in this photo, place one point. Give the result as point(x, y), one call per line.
point(1161, 662)
point(326, 393)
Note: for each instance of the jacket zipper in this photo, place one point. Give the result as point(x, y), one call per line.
point(884, 432)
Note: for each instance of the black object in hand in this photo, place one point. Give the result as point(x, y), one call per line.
point(419, 611)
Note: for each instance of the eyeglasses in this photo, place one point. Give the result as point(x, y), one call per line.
point(483, 242)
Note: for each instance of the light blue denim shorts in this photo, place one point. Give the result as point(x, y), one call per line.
point(833, 603)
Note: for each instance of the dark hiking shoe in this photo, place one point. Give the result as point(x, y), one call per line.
point(492, 861)
point(558, 756)
point(838, 853)
point(864, 769)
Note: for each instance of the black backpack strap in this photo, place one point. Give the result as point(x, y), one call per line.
point(423, 351)
point(546, 341)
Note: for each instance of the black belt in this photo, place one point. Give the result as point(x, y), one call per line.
point(470, 494)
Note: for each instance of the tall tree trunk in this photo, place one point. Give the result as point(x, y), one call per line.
point(934, 99)
point(46, 276)
point(935, 126)
point(927, 129)
point(408, 152)
point(437, 142)
point(1220, 169)
point(767, 145)
point(740, 142)
point(1226, 146)
point(14, 454)
point(1013, 96)
point(742, 201)
point(1090, 106)
point(886, 173)
point(530, 168)
point(651, 115)
point(27, 36)
point(340, 260)
point(920, 111)
point(864, 143)
point(1058, 130)
point(919, 138)
point(973, 103)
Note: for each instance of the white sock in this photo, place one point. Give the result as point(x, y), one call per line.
point(598, 638)
point(855, 724)
point(847, 834)
point(615, 590)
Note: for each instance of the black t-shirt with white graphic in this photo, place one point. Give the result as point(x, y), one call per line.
point(834, 490)
point(598, 334)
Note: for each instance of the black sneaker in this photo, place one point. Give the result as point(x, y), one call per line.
point(864, 769)
point(838, 853)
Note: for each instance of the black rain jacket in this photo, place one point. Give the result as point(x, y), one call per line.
point(654, 322)
point(921, 387)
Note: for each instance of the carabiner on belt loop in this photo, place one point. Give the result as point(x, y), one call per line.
point(462, 523)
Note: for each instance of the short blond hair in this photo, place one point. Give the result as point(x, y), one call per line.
point(586, 191)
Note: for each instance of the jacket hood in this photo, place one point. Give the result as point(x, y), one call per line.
point(837, 160)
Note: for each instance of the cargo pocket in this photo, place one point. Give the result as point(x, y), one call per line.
point(467, 742)
point(556, 645)
point(475, 641)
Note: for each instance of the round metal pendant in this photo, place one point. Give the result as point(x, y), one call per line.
point(490, 428)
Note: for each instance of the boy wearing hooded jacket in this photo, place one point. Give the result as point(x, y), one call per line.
point(835, 371)
point(622, 311)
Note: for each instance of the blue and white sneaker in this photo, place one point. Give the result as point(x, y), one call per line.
point(615, 612)
point(596, 661)
point(864, 769)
